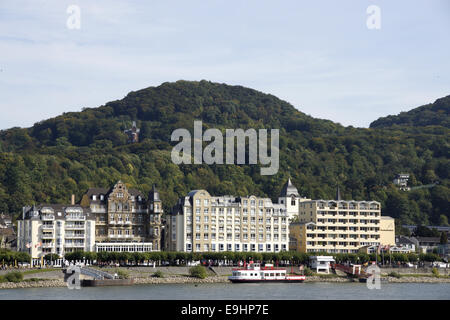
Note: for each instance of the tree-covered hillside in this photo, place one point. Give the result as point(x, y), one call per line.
point(433, 114)
point(72, 152)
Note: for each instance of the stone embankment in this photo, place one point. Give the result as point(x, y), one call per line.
point(33, 284)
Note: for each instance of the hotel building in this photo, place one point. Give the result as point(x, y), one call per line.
point(56, 229)
point(125, 220)
point(337, 226)
point(201, 222)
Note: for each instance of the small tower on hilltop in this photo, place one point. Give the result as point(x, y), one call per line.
point(133, 133)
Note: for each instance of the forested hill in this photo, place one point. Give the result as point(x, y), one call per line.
point(433, 114)
point(77, 150)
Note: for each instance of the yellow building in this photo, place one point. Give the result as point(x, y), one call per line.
point(337, 226)
point(387, 231)
point(201, 223)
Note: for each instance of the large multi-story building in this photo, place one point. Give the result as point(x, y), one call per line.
point(125, 220)
point(117, 219)
point(340, 226)
point(201, 222)
point(54, 228)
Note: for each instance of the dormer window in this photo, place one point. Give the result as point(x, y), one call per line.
point(139, 198)
point(94, 197)
point(102, 197)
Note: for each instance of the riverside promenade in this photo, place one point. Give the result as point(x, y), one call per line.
point(146, 275)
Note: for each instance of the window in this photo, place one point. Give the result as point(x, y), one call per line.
point(197, 202)
point(205, 202)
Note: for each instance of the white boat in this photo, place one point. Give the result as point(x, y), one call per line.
point(253, 272)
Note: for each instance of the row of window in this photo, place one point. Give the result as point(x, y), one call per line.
point(237, 247)
point(237, 237)
point(244, 202)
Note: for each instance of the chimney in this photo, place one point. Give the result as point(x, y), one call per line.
point(72, 202)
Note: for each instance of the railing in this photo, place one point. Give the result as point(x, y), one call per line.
point(74, 245)
point(75, 218)
point(74, 226)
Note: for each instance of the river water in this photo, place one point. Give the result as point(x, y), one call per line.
point(244, 291)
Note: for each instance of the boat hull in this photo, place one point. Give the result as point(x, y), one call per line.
point(266, 280)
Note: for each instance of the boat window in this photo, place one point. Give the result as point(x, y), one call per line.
point(277, 274)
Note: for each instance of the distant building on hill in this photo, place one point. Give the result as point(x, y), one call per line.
point(401, 180)
point(133, 133)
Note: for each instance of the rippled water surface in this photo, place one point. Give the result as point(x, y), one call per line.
point(222, 291)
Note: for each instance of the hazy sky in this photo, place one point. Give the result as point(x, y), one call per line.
point(318, 55)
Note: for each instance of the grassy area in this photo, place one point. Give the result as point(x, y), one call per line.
point(414, 275)
point(326, 275)
point(34, 271)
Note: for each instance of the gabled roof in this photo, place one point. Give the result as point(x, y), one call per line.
point(289, 189)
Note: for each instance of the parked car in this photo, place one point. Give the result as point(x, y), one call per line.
point(439, 264)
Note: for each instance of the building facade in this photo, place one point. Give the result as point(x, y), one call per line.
point(337, 226)
point(125, 220)
point(201, 223)
point(55, 229)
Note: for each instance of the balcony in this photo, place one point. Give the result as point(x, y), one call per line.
point(74, 245)
point(47, 227)
point(75, 218)
point(47, 236)
point(74, 226)
point(48, 217)
point(75, 235)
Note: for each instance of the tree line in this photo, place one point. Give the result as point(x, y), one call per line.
point(282, 258)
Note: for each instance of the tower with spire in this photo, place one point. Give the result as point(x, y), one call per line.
point(290, 198)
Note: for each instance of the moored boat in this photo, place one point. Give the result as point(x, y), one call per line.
point(253, 272)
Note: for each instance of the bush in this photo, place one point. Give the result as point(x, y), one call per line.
point(158, 274)
point(198, 272)
point(308, 272)
point(394, 274)
point(435, 272)
point(122, 274)
point(3, 279)
point(14, 276)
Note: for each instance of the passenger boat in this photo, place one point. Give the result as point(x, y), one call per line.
point(253, 272)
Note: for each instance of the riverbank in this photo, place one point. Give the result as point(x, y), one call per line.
point(179, 275)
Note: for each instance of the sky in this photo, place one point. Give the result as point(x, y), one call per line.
point(320, 56)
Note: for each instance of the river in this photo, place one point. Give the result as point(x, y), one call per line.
point(226, 291)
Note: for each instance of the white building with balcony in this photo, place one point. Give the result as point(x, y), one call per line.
point(55, 229)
